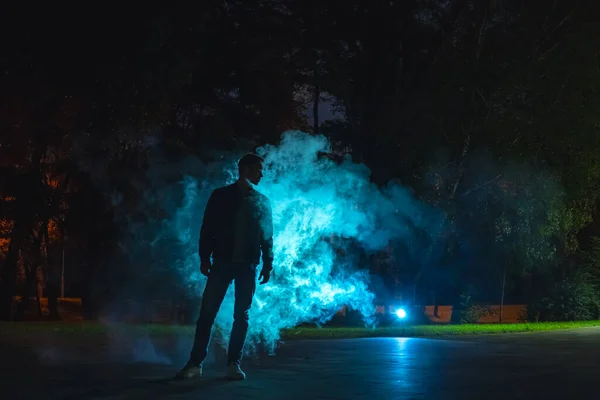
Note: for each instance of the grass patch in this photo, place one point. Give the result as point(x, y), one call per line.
point(91, 328)
point(432, 330)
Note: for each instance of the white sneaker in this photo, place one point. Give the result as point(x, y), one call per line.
point(190, 372)
point(235, 373)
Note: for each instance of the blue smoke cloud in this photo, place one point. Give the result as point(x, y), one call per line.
point(314, 200)
point(321, 209)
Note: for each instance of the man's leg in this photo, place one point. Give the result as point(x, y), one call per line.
point(245, 285)
point(214, 292)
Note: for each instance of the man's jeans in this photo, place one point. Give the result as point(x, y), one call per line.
point(219, 279)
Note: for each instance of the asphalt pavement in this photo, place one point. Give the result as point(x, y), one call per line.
point(548, 365)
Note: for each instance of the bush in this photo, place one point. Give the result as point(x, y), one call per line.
point(467, 313)
point(474, 313)
point(575, 299)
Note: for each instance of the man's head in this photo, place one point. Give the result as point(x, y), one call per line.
point(250, 167)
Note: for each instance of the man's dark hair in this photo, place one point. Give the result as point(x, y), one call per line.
point(249, 160)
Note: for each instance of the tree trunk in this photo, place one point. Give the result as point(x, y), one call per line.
point(415, 288)
point(52, 294)
point(502, 295)
point(28, 293)
point(464, 152)
point(41, 262)
point(8, 277)
point(33, 264)
point(24, 221)
point(316, 103)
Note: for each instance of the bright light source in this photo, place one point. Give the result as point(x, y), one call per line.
point(401, 313)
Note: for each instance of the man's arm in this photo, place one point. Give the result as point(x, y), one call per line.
point(266, 244)
point(207, 231)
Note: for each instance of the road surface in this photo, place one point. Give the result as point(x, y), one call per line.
point(548, 365)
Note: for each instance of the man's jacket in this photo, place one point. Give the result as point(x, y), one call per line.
point(221, 227)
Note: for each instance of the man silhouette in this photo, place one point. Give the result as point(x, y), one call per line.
point(237, 227)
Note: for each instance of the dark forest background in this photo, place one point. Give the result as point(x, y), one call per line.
point(488, 110)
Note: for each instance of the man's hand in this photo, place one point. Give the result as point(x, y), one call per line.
point(205, 268)
point(265, 274)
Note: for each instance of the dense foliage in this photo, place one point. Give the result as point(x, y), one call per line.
point(486, 110)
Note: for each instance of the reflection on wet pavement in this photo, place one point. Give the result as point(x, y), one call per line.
point(550, 365)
